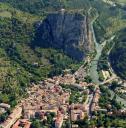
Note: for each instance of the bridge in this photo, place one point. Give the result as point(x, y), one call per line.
point(100, 60)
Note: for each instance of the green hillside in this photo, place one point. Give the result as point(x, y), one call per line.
point(110, 20)
point(42, 6)
point(118, 54)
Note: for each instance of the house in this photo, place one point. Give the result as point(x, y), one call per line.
point(59, 120)
point(22, 123)
point(16, 114)
point(77, 115)
point(106, 74)
point(5, 106)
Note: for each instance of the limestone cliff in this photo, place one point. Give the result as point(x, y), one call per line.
point(66, 31)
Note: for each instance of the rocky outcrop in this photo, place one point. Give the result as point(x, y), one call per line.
point(66, 31)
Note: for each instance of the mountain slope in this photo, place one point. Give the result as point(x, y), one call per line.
point(118, 54)
point(40, 7)
point(110, 20)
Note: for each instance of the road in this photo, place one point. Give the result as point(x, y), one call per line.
point(80, 73)
point(109, 80)
point(88, 104)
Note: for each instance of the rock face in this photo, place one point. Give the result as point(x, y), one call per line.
point(65, 31)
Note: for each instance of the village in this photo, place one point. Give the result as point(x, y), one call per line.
point(56, 96)
point(49, 97)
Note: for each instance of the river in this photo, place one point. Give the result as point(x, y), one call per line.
point(93, 65)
